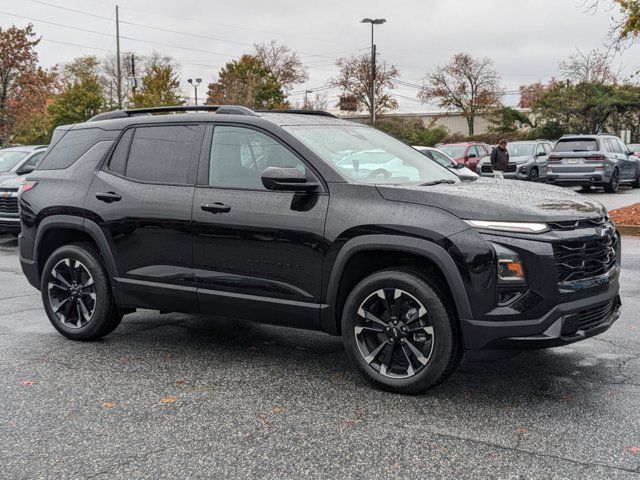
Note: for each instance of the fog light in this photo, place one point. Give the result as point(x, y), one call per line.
point(510, 269)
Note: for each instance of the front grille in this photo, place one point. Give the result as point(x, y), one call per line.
point(511, 168)
point(488, 169)
point(576, 224)
point(594, 316)
point(8, 205)
point(579, 260)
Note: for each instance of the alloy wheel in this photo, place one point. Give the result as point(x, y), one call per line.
point(72, 295)
point(615, 180)
point(394, 333)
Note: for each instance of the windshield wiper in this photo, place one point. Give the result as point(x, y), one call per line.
point(436, 182)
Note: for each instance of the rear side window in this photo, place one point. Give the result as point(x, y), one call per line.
point(162, 154)
point(118, 162)
point(70, 148)
point(576, 145)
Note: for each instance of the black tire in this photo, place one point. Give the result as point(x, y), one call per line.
point(103, 315)
point(585, 188)
point(636, 182)
point(444, 343)
point(614, 182)
point(534, 176)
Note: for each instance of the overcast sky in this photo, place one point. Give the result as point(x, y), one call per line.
point(525, 39)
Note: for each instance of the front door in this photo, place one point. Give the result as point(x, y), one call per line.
point(142, 201)
point(257, 252)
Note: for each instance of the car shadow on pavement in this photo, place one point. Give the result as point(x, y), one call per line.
point(199, 344)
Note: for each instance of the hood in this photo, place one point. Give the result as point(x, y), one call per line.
point(500, 200)
point(519, 158)
point(13, 181)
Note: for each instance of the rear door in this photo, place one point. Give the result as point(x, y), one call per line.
point(257, 252)
point(627, 162)
point(142, 201)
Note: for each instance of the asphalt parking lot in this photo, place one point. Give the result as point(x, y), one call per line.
point(178, 396)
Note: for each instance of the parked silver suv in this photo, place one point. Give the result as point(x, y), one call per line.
point(527, 161)
point(593, 161)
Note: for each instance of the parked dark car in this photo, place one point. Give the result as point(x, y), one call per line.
point(469, 153)
point(15, 164)
point(527, 161)
point(441, 158)
point(593, 161)
point(254, 215)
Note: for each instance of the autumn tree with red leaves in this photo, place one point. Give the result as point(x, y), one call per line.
point(25, 88)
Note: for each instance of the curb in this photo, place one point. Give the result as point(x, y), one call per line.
point(628, 229)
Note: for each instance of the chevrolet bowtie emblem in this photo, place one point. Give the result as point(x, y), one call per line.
point(5, 194)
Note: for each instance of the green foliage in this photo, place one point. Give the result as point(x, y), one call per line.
point(81, 96)
point(160, 87)
point(412, 131)
point(247, 82)
point(507, 121)
point(36, 130)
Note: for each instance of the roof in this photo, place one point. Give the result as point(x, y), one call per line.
point(25, 148)
point(120, 118)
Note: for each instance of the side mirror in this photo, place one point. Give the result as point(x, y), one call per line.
point(26, 169)
point(471, 155)
point(541, 154)
point(287, 180)
point(459, 166)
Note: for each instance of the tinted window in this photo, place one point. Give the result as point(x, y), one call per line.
point(240, 155)
point(576, 145)
point(162, 154)
point(34, 160)
point(70, 147)
point(607, 145)
point(118, 161)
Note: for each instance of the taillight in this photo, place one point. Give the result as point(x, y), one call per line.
point(553, 158)
point(26, 186)
point(596, 158)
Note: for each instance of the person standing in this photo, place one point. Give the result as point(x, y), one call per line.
point(499, 159)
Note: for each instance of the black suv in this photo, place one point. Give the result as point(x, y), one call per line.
point(279, 217)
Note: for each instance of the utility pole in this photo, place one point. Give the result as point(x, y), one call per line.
point(372, 100)
point(306, 99)
point(118, 69)
point(134, 81)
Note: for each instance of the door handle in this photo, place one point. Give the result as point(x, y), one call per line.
point(215, 207)
point(108, 197)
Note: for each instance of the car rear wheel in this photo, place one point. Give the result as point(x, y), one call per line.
point(76, 293)
point(636, 182)
point(614, 182)
point(399, 331)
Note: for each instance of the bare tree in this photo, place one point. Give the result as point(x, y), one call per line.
point(284, 64)
point(467, 84)
point(354, 78)
point(109, 73)
point(594, 66)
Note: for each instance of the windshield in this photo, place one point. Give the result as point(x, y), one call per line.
point(520, 149)
point(453, 151)
point(586, 145)
point(367, 155)
point(10, 158)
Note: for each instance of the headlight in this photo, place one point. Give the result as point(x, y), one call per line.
point(510, 269)
point(516, 227)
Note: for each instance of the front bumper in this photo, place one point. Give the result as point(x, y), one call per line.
point(521, 172)
point(10, 224)
point(566, 323)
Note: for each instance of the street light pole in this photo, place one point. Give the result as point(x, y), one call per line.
point(195, 86)
point(372, 101)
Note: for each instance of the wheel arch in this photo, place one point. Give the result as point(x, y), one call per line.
point(389, 244)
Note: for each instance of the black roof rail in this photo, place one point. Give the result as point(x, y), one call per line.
point(299, 111)
point(219, 109)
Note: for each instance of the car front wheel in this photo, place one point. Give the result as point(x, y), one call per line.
point(76, 293)
point(400, 333)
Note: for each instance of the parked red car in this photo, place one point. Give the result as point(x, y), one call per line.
point(469, 153)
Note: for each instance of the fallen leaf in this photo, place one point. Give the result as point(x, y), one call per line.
point(277, 410)
point(108, 405)
point(27, 382)
point(181, 382)
point(337, 376)
point(253, 349)
point(168, 356)
point(169, 399)
point(265, 421)
point(522, 430)
point(634, 450)
point(568, 397)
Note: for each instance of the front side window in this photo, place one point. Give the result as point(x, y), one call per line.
point(34, 160)
point(540, 149)
point(10, 158)
point(366, 155)
point(239, 156)
point(162, 154)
